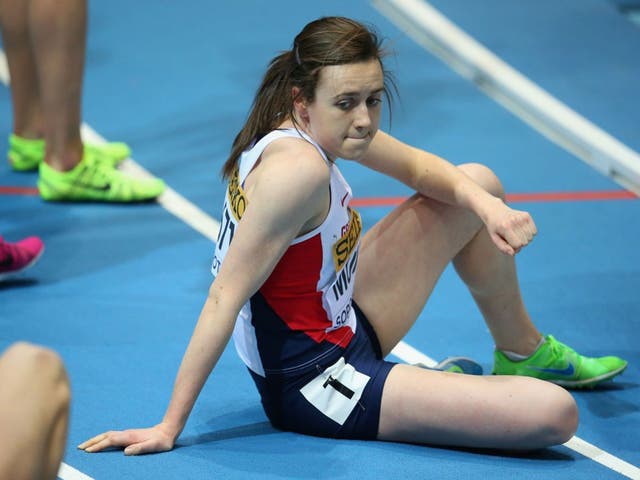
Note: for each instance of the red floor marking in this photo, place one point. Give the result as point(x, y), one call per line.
point(514, 197)
point(393, 201)
point(570, 196)
point(18, 190)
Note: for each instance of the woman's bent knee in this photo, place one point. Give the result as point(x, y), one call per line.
point(554, 420)
point(562, 417)
point(485, 177)
point(38, 368)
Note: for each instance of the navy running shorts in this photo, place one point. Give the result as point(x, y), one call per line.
point(338, 397)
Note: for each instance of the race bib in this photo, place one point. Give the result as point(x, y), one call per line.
point(336, 391)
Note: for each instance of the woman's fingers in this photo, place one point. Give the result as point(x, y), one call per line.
point(134, 442)
point(151, 445)
point(104, 441)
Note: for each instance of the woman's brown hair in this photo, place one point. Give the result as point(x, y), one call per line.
point(323, 42)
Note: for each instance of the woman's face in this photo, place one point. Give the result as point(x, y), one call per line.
point(345, 114)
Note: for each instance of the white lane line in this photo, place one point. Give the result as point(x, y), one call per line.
point(407, 353)
point(172, 201)
point(603, 458)
point(67, 472)
point(4, 68)
point(553, 119)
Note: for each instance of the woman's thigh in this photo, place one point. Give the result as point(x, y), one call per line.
point(402, 257)
point(507, 412)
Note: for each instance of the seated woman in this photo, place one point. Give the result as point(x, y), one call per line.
point(314, 306)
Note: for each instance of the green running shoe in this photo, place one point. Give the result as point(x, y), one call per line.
point(27, 154)
point(555, 362)
point(95, 180)
point(112, 152)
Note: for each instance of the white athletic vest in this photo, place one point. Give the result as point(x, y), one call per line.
point(304, 307)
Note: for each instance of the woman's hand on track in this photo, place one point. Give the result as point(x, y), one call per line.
point(134, 442)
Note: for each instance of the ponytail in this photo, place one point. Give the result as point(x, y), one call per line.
point(272, 104)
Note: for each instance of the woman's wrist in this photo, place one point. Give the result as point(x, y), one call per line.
point(171, 428)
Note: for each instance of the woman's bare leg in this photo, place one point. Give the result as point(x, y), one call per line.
point(403, 256)
point(45, 45)
point(34, 412)
point(400, 261)
point(25, 88)
point(506, 412)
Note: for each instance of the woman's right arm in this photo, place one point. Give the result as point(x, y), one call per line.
point(289, 190)
point(210, 336)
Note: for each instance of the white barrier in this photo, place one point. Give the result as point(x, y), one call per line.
point(429, 28)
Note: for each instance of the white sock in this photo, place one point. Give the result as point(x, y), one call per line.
point(517, 357)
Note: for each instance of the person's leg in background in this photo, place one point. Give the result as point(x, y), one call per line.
point(45, 43)
point(34, 412)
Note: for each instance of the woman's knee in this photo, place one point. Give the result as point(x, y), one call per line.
point(485, 177)
point(568, 416)
point(559, 420)
point(41, 368)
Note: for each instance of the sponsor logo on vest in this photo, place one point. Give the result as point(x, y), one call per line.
point(344, 246)
point(237, 200)
point(341, 285)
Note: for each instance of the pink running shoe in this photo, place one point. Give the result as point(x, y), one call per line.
point(18, 256)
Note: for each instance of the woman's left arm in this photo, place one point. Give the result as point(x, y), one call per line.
point(435, 177)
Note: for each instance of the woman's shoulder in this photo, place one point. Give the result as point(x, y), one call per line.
point(290, 165)
point(298, 156)
point(291, 178)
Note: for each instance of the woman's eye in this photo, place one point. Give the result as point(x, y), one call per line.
point(373, 102)
point(344, 104)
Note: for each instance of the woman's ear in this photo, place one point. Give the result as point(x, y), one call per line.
point(299, 104)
